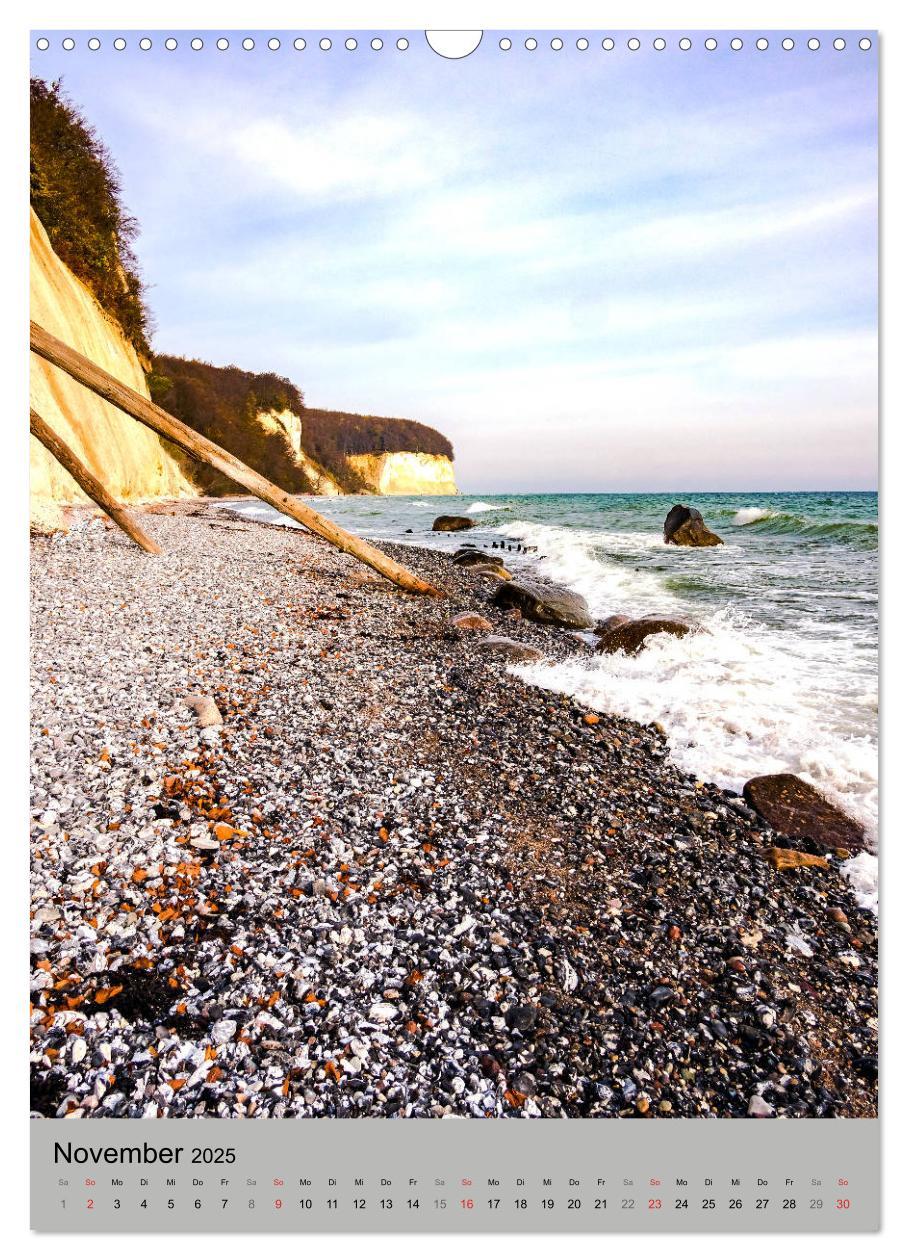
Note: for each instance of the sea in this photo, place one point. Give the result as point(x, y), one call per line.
point(784, 677)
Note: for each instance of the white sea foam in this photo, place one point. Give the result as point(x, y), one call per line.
point(747, 516)
point(863, 871)
point(479, 506)
point(570, 556)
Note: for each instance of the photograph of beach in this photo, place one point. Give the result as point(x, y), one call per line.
point(454, 580)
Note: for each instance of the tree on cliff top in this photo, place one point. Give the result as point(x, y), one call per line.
point(222, 404)
point(76, 193)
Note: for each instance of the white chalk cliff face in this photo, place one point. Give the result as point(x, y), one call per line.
point(395, 472)
point(405, 472)
point(132, 461)
point(289, 424)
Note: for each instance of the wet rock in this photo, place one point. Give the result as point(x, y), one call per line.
point(612, 623)
point(545, 603)
point(521, 1018)
point(685, 527)
point(630, 636)
point(500, 645)
point(470, 621)
point(759, 1107)
point(792, 859)
point(451, 524)
point(661, 995)
point(794, 808)
point(467, 557)
point(492, 571)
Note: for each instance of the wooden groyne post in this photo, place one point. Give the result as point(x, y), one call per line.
point(89, 482)
point(167, 426)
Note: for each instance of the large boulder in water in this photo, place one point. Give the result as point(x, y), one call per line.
point(544, 602)
point(684, 526)
point(451, 524)
point(794, 808)
point(630, 636)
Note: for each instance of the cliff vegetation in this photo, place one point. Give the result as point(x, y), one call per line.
point(75, 192)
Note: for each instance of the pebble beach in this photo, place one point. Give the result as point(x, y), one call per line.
point(302, 846)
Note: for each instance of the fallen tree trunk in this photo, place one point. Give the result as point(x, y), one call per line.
point(148, 413)
point(83, 476)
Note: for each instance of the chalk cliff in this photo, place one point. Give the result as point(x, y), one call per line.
point(393, 472)
point(405, 472)
point(131, 460)
point(288, 424)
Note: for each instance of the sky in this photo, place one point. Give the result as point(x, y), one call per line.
point(592, 270)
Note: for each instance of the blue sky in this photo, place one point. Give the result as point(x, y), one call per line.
point(592, 270)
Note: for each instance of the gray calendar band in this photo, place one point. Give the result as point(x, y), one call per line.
point(455, 1176)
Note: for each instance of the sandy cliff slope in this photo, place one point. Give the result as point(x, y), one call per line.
point(130, 459)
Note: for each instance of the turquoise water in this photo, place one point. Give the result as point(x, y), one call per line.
point(784, 676)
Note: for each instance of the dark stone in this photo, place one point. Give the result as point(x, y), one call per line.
point(631, 636)
point(468, 556)
point(451, 524)
point(684, 526)
point(524, 1083)
point(145, 996)
point(521, 1018)
point(611, 623)
point(794, 808)
point(47, 1093)
point(546, 603)
point(499, 645)
point(661, 995)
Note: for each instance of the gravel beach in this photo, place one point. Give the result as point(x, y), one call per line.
point(388, 877)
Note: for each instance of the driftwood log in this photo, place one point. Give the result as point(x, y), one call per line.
point(85, 478)
point(148, 413)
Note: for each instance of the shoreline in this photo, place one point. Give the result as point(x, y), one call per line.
point(540, 916)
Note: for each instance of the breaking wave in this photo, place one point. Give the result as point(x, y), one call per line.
point(861, 534)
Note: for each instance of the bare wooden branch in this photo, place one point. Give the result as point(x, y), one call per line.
point(66, 456)
point(148, 413)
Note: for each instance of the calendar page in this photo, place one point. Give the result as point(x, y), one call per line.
point(454, 630)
